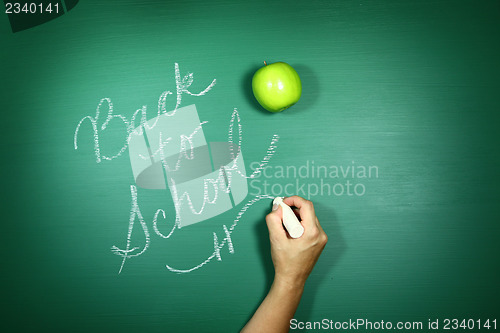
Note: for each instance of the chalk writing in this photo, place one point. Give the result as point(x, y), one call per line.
point(217, 246)
point(220, 183)
point(182, 86)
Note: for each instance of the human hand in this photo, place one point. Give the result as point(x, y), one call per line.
point(294, 259)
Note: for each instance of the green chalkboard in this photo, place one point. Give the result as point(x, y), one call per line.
point(395, 140)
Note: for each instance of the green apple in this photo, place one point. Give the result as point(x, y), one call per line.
point(276, 86)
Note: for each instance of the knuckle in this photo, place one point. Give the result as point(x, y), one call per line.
point(324, 239)
point(314, 233)
point(308, 204)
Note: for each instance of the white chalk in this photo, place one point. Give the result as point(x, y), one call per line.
point(290, 220)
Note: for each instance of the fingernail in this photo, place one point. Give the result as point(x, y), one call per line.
point(275, 206)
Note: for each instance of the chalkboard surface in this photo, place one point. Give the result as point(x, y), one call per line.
point(395, 140)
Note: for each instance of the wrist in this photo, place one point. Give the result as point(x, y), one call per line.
point(286, 284)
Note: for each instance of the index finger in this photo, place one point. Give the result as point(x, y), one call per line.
point(306, 208)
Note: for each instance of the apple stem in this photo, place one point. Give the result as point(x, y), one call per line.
point(265, 63)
